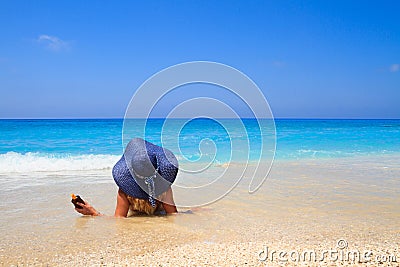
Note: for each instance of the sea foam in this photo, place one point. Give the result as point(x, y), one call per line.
point(12, 162)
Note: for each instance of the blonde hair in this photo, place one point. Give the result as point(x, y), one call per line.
point(142, 206)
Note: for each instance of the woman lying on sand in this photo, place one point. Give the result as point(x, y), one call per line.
point(144, 176)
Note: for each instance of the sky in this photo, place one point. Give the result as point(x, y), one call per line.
point(311, 59)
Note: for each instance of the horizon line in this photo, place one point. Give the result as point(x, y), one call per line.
point(182, 118)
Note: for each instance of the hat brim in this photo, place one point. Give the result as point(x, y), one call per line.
point(126, 182)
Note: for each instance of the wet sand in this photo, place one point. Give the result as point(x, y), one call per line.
point(303, 205)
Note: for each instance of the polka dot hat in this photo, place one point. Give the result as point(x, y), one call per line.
point(145, 170)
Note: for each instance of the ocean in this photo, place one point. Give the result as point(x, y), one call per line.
point(59, 145)
point(330, 180)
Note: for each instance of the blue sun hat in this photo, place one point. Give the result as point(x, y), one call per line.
point(145, 170)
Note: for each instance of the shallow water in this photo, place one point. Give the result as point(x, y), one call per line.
point(301, 202)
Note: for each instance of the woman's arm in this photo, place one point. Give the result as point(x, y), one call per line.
point(122, 208)
point(120, 211)
point(168, 202)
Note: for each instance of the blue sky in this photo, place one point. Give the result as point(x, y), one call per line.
point(312, 59)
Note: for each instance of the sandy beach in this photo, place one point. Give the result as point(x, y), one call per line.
point(306, 205)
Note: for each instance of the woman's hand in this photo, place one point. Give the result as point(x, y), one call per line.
point(87, 209)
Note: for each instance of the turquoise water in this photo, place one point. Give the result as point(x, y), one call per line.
point(42, 145)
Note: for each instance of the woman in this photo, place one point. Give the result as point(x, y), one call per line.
point(144, 176)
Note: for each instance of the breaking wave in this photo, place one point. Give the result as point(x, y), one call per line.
point(12, 162)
